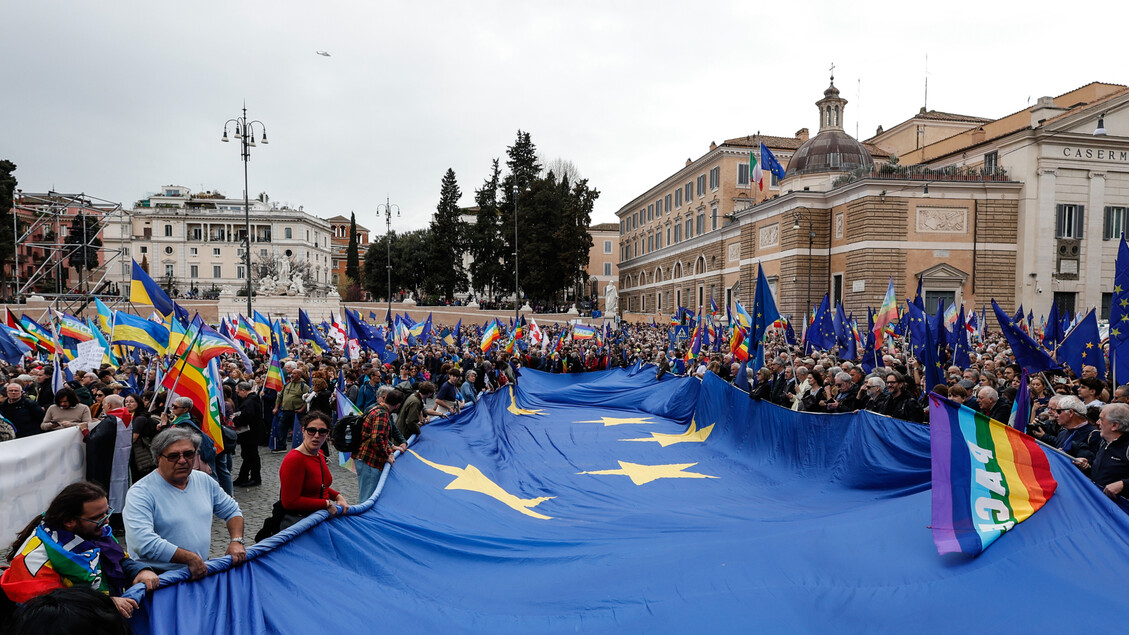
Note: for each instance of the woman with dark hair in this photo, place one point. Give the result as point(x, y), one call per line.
point(322, 398)
point(71, 545)
point(67, 411)
point(304, 475)
point(144, 429)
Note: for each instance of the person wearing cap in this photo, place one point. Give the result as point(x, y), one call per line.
point(1077, 437)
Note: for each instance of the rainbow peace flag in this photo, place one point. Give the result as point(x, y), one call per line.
point(491, 334)
point(274, 379)
point(73, 328)
point(887, 313)
point(583, 332)
point(987, 477)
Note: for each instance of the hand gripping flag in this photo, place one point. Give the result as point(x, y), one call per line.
point(987, 477)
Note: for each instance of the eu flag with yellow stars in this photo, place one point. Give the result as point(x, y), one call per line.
point(1082, 346)
point(1119, 317)
point(616, 502)
point(1028, 354)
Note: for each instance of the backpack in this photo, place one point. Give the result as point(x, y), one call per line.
point(346, 435)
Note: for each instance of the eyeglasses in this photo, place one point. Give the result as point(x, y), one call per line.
point(101, 520)
point(98, 394)
point(317, 431)
point(175, 457)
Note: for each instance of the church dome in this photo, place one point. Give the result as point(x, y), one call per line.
point(832, 150)
point(829, 151)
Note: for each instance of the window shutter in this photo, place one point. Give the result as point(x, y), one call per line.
point(1080, 222)
point(1107, 224)
point(1058, 221)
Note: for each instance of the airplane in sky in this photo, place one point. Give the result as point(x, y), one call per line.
point(324, 53)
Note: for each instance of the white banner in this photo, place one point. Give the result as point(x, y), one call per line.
point(32, 471)
point(89, 356)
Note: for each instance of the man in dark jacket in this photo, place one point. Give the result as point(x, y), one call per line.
point(25, 414)
point(1077, 436)
point(249, 420)
point(993, 405)
point(780, 383)
point(899, 403)
point(1110, 468)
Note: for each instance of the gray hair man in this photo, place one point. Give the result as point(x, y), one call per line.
point(1078, 437)
point(1110, 469)
point(168, 513)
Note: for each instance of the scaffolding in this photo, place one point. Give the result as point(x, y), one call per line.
point(45, 245)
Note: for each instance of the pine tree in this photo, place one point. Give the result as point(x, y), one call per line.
point(352, 258)
point(524, 172)
point(446, 275)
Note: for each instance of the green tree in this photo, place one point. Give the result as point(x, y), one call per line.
point(409, 264)
point(7, 238)
point(83, 243)
point(485, 243)
point(524, 171)
point(352, 258)
point(448, 242)
point(554, 218)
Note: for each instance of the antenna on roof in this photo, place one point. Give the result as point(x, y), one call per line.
point(926, 104)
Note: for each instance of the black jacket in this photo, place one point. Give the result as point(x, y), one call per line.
point(25, 415)
point(1001, 411)
point(250, 413)
point(1112, 462)
point(1081, 442)
point(904, 407)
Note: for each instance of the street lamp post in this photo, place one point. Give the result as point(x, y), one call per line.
point(796, 216)
point(388, 243)
point(245, 133)
point(517, 295)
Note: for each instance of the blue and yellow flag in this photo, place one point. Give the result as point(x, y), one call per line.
point(137, 331)
point(143, 290)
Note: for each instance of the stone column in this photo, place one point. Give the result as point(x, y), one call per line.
point(1039, 255)
point(1092, 244)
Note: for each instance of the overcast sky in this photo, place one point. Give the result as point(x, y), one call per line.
point(117, 98)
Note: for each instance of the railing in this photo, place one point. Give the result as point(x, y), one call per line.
point(923, 173)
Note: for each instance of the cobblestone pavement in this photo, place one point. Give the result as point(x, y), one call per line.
point(256, 502)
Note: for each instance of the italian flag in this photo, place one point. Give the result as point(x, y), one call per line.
point(755, 171)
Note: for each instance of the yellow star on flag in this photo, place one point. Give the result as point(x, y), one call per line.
point(1089, 344)
point(520, 411)
point(617, 421)
point(643, 474)
point(1117, 288)
point(692, 435)
point(472, 479)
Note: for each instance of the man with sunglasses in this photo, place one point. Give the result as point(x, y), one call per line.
point(168, 513)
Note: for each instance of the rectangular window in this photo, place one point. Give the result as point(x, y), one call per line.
point(701, 186)
point(169, 271)
point(659, 239)
point(192, 251)
point(607, 268)
point(195, 233)
point(144, 249)
point(743, 174)
point(215, 251)
point(1115, 222)
point(1107, 304)
point(700, 225)
point(650, 243)
point(689, 229)
point(1065, 301)
point(194, 271)
point(607, 246)
point(239, 272)
point(666, 207)
point(689, 192)
point(168, 230)
point(678, 197)
point(288, 233)
point(668, 235)
point(1069, 220)
point(217, 271)
point(620, 228)
point(715, 178)
point(772, 180)
point(991, 162)
point(713, 217)
point(651, 212)
point(678, 233)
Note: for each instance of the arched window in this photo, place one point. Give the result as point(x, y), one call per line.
point(658, 276)
point(677, 270)
point(836, 115)
point(700, 265)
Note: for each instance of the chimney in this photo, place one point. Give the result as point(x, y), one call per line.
point(802, 134)
point(689, 161)
point(1044, 109)
point(978, 135)
point(713, 146)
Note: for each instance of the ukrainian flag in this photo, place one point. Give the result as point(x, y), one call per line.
point(105, 315)
point(143, 290)
point(137, 331)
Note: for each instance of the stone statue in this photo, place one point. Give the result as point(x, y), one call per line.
point(284, 268)
point(267, 285)
point(611, 300)
point(296, 287)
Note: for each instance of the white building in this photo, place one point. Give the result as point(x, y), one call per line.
point(196, 241)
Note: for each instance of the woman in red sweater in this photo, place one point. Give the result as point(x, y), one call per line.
point(304, 474)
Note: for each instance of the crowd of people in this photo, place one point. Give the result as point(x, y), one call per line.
point(154, 478)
